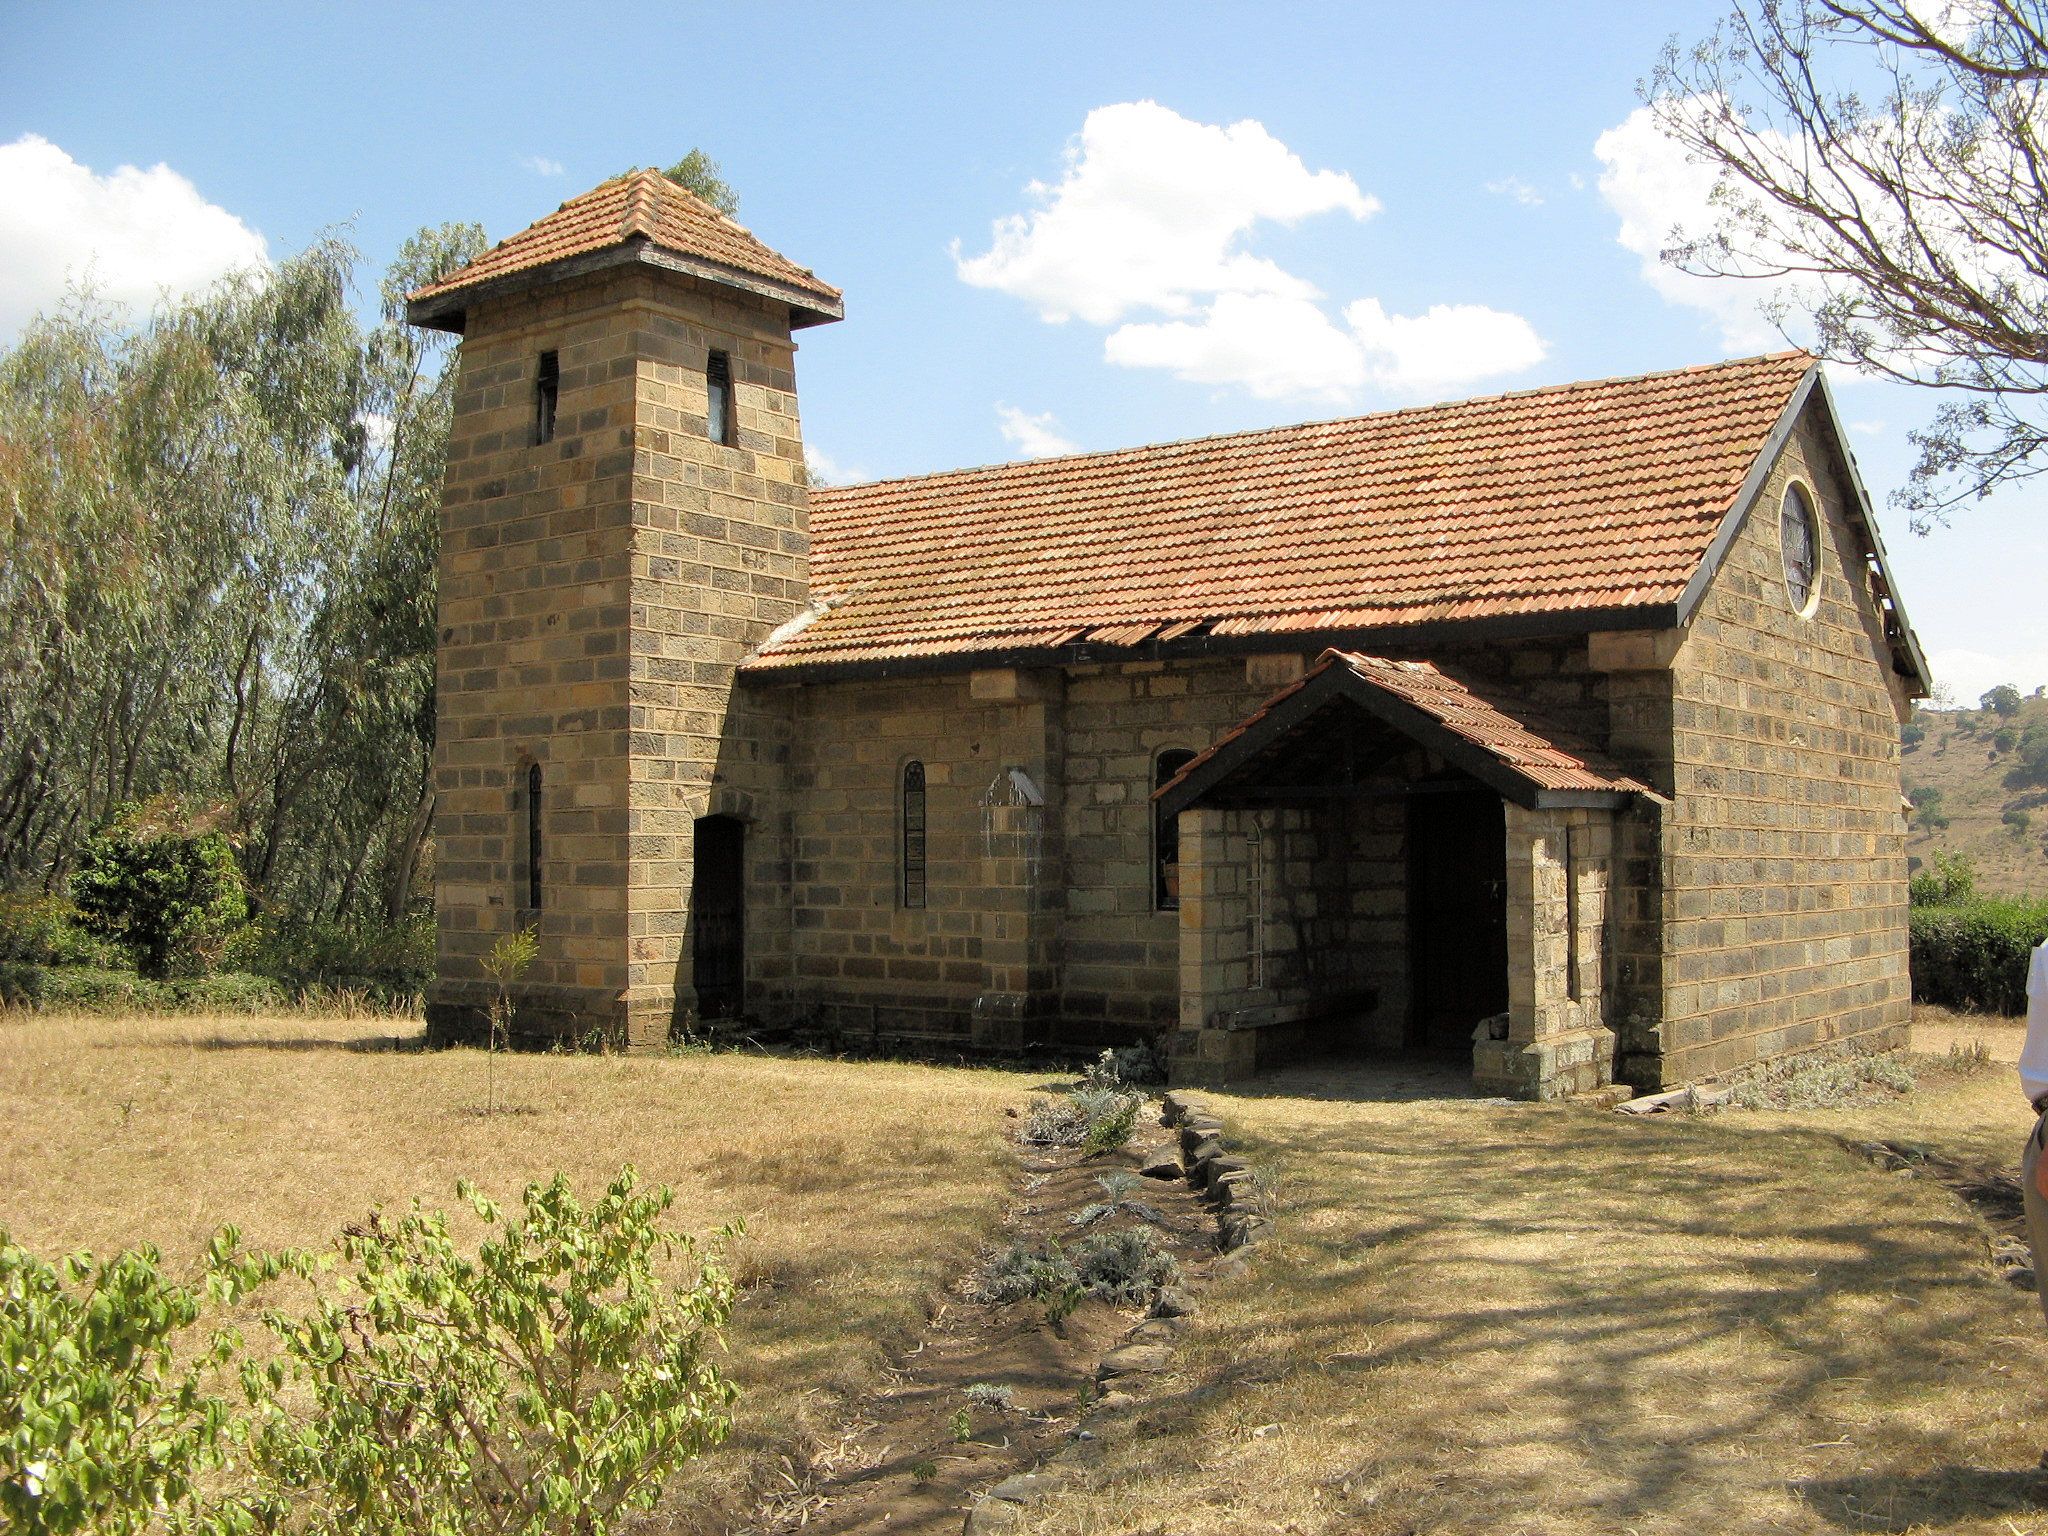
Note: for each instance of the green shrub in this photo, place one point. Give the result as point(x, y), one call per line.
point(1952, 880)
point(163, 883)
point(545, 1386)
point(89, 989)
point(390, 964)
point(1974, 953)
point(49, 930)
point(102, 1427)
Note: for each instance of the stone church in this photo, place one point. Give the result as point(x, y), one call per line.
point(1557, 730)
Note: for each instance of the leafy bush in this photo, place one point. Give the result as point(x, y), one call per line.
point(102, 1428)
point(1974, 953)
point(88, 989)
point(49, 930)
point(543, 1387)
point(164, 884)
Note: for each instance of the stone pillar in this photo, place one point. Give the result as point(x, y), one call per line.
point(1214, 951)
point(1020, 892)
point(1558, 1042)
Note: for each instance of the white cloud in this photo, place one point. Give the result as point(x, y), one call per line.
point(1518, 189)
point(1662, 194)
point(134, 234)
point(1146, 233)
point(1279, 347)
point(1871, 428)
point(541, 165)
point(827, 470)
point(1034, 437)
point(1152, 214)
point(1446, 345)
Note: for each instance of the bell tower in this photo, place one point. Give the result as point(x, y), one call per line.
point(624, 517)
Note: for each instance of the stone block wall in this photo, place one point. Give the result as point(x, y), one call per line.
point(1767, 903)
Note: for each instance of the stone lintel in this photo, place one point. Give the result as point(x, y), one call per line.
point(1274, 669)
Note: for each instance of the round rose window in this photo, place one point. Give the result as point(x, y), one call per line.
point(1799, 538)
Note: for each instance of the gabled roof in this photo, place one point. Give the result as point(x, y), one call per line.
point(1496, 741)
point(1583, 506)
point(641, 216)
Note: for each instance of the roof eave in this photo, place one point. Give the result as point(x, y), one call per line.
point(1555, 623)
point(446, 309)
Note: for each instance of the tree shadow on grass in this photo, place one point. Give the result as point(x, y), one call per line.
point(1603, 1273)
point(1877, 1501)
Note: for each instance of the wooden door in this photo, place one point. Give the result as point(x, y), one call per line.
point(718, 917)
point(1457, 916)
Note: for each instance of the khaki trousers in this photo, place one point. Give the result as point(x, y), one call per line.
point(2037, 1211)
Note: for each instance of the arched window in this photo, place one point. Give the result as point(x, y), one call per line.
point(1166, 834)
point(913, 835)
point(533, 849)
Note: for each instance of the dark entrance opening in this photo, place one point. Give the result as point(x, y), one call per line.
point(718, 917)
point(1457, 916)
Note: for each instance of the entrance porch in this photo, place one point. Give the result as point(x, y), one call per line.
point(1380, 859)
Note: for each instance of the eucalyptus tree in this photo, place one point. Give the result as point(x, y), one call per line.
point(217, 537)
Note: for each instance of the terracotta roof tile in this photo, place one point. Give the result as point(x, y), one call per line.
point(1538, 754)
point(643, 205)
point(1584, 496)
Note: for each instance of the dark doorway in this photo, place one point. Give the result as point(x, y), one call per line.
point(718, 917)
point(1457, 916)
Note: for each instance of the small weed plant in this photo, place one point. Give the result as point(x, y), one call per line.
point(1840, 1076)
point(1967, 1058)
point(1095, 1118)
point(1125, 1268)
point(1127, 1066)
point(1117, 1190)
point(991, 1395)
point(505, 964)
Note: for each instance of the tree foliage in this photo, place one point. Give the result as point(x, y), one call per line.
point(2004, 700)
point(1886, 156)
point(218, 538)
point(698, 172)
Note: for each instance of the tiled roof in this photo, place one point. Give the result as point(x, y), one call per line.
point(1589, 496)
point(1534, 753)
point(642, 205)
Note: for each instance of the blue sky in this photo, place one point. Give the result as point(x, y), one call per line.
point(1419, 201)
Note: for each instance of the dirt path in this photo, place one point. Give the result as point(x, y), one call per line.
point(903, 1464)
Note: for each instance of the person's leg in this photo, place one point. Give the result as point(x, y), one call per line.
point(2037, 1215)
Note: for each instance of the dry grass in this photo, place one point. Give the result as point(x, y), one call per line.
point(865, 1188)
point(1545, 1319)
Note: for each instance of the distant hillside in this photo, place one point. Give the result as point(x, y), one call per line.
point(1972, 767)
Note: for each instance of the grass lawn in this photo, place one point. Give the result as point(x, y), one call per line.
point(1546, 1319)
point(865, 1188)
